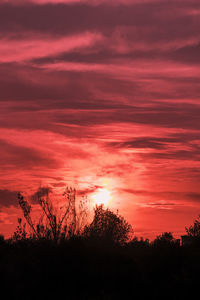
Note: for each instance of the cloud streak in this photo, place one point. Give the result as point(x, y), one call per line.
point(29, 48)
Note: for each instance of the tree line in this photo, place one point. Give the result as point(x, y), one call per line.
point(60, 255)
point(59, 224)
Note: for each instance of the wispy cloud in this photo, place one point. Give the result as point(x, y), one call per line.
point(28, 47)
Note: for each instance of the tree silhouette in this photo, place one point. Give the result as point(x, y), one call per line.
point(52, 224)
point(164, 240)
point(108, 226)
point(194, 230)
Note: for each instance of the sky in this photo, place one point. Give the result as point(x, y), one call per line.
point(102, 95)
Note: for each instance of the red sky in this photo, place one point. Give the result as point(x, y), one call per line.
point(102, 93)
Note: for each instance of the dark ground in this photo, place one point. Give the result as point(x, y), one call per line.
point(88, 269)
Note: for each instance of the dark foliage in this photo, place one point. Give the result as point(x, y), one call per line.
point(108, 227)
point(193, 232)
point(79, 268)
point(165, 240)
point(51, 225)
point(101, 263)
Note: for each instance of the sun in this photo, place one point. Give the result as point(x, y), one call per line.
point(102, 196)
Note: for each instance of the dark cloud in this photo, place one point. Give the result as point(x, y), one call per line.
point(193, 154)
point(171, 116)
point(64, 18)
point(86, 192)
point(71, 18)
point(19, 157)
point(187, 54)
point(8, 198)
point(146, 30)
point(144, 142)
point(41, 193)
point(34, 90)
point(166, 147)
point(166, 196)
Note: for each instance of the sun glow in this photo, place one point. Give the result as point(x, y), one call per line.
point(102, 196)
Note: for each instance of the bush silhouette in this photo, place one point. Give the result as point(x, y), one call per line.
point(108, 226)
point(166, 239)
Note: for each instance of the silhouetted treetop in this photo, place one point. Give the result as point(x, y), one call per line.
point(164, 240)
point(194, 230)
point(108, 226)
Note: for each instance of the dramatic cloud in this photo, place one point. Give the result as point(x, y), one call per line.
point(102, 94)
